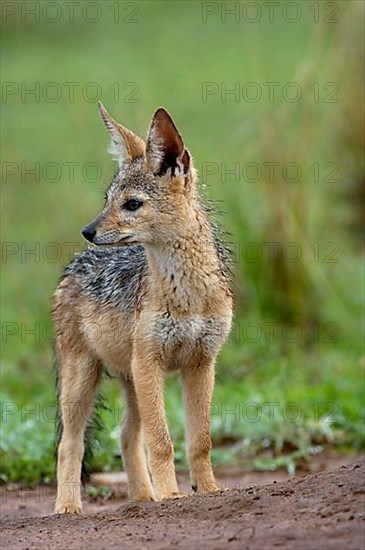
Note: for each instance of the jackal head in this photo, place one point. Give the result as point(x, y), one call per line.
point(153, 193)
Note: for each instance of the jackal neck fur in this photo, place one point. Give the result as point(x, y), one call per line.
point(184, 272)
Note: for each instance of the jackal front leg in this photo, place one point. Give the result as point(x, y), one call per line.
point(149, 382)
point(79, 376)
point(198, 384)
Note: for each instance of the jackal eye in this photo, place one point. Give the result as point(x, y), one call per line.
point(132, 204)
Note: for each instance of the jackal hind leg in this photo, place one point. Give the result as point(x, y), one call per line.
point(198, 385)
point(149, 384)
point(79, 377)
point(133, 452)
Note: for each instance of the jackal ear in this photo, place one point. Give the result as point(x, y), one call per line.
point(125, 145)
point(165, 148)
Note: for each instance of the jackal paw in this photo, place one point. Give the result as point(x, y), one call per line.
point(206, 487)
point(173, 496)
point(143, 497)
point(68, 508)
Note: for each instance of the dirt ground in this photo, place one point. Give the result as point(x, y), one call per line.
point(322, 510)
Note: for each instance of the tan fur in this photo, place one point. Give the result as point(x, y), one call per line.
point(184, 286)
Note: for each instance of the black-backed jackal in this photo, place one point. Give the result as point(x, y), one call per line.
point(157, 292)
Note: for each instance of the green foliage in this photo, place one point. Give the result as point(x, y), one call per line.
point(168, 55)
point(26, 446)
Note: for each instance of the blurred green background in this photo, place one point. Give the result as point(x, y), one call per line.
point(290, 381)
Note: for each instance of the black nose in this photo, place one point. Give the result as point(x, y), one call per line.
point(89, 233)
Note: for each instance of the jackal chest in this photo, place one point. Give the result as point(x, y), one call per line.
point(181, 341)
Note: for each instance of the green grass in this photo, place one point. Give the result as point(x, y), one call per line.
point(169, 54)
